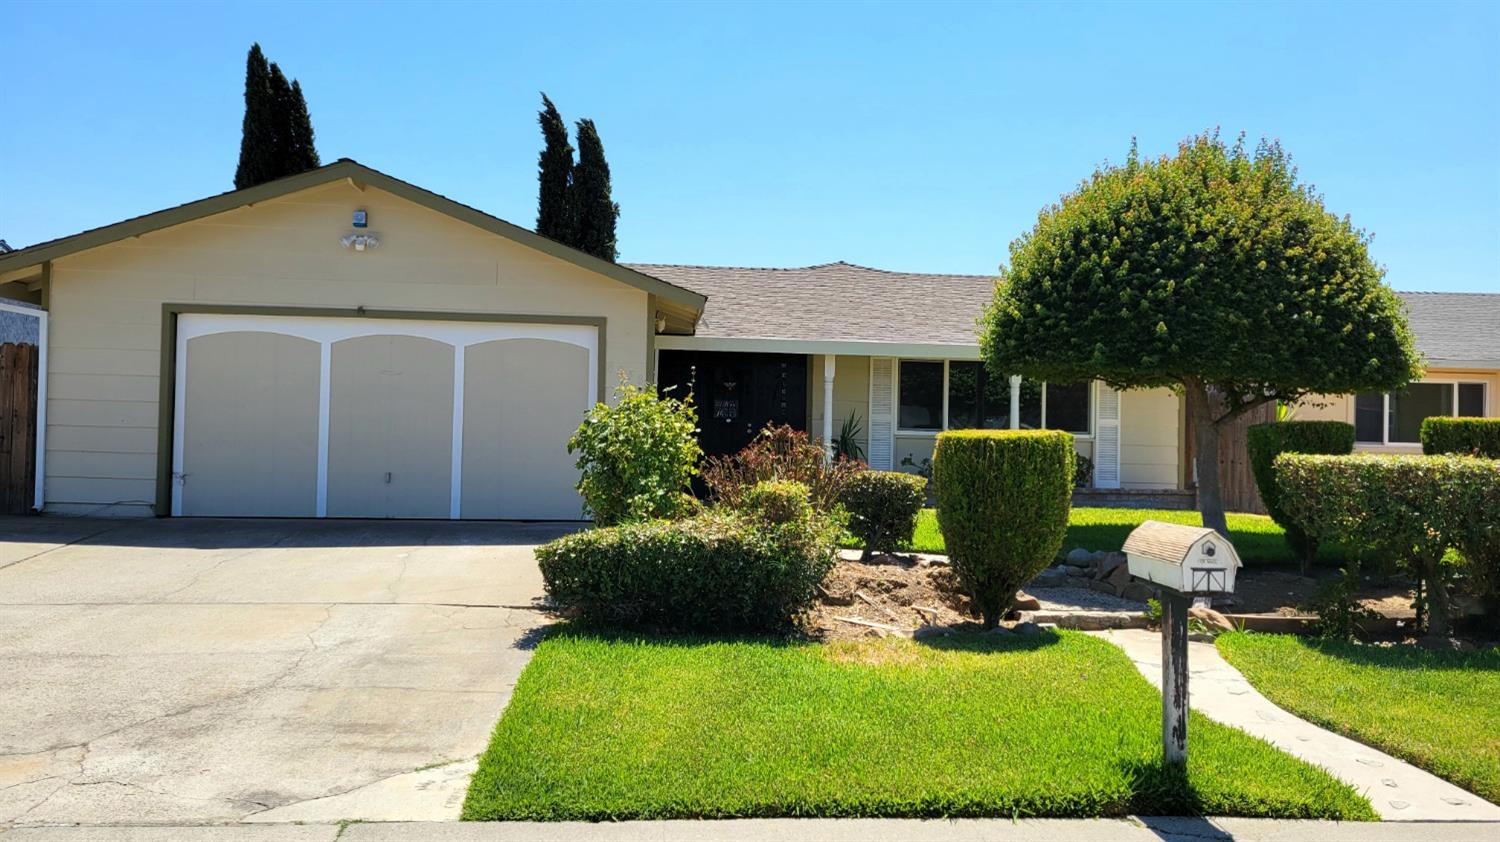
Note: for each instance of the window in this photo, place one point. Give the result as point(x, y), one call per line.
point(1068, 407)
point(1396, 417)
point(977, 398)
point(921, 396)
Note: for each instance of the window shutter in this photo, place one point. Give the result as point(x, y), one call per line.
point(1106, 437)
point(881, 451)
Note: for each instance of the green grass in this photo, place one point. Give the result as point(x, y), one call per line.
point(1256, 537)
point(1436, 710)
point(609, 728)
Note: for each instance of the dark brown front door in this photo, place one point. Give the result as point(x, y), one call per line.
point(737, 395)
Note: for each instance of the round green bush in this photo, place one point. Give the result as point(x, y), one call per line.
point(719, 571)
point(777, 502)
point(1003, 498)
point(1267, 441)
point(637, 457)
point(1466, 436)
point(883, 508)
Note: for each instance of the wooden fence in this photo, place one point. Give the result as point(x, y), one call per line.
point(18, 382)
point(1236, 480)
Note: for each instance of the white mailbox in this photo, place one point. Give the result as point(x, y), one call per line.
point(1190, 560)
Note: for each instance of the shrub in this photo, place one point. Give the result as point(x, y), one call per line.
point(883, 508)
point(1083, 471)
point(777, 502)
point(636, 458)
point(779, 453)
point(1408, 508)
point(720, 571)
point(1478, 539)
point(1469, 436)
point(1267, 441)
point(1003, 498)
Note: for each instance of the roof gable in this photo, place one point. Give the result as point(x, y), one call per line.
point(361, 176)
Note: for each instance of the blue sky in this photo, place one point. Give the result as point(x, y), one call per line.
point(918, 137)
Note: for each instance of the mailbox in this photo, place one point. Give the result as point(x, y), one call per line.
point(1190, 560)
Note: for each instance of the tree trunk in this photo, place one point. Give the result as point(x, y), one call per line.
point(1206, 455)
point(1439, 613)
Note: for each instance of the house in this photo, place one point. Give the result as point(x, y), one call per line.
point(340, 343)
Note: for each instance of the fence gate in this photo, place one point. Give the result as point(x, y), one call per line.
point(19, 368)
point(1236, 480)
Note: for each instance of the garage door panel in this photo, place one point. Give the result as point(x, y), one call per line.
point(523, 399)
point(390, 427)
point(250, 437)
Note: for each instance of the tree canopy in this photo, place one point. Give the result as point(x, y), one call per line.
point(1212, 271)
point(276, 134)
point(595, 212)
point(1214, 264)
point(554, 176)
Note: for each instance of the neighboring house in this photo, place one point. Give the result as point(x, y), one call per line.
point(249, 354)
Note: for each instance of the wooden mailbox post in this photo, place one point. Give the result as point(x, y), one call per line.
point(1184, 562)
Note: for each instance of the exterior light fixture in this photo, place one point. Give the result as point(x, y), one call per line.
point(360, 242)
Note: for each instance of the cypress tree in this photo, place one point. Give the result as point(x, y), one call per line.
point(303, 153)
point(277, 134)
point(554, 176)
point(595, 212)
point(257, 139)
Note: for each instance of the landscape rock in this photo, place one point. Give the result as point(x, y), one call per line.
point(1119, 577)
point(1077, 572)
point(1026, 602)
point(1112, 562)
point(1138, 591)
point(1210, 618)
point(1050, 578)
point(1092, 620)
point(1079, 557)
point(927, 632)
point(1103, 587)
point(1028, 628)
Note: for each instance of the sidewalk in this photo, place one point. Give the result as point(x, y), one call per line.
point(1398, 790)
point(785, 830)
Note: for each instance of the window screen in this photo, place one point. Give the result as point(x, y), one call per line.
point(921, 396)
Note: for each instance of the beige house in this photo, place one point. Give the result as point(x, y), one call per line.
point(343, 344)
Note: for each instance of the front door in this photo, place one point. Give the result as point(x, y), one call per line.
point(737, 395)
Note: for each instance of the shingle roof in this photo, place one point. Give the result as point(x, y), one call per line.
point(833, 301)
point(1455, 326)
point(859, 304)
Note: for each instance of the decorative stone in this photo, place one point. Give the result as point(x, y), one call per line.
point(1079, 557)
point(1078, 572)
point(1138, 591)
point(1119, 576)
point(1050, 579)
point(1026, 602)
point(1028, 628)
point(1212, 619)
point(1102, 587)
point(927, 632)
point(1111, 562)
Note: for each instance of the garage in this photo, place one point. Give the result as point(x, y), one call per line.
point(346, 417)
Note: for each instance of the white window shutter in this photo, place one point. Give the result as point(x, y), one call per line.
point(1106, 436)
point(882, 427)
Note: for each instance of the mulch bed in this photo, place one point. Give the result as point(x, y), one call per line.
point(888, 594)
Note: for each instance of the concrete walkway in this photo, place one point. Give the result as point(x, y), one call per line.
point(785, 830)
point(1398, 790)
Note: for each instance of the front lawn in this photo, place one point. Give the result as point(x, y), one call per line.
point(1256, 537)
point(1437, 710)
point(625, 727)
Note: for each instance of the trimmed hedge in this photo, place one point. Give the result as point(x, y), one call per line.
point(1267, 441)
point(883, 508)
point(719, 571)
point(777, 502)
point(1468, 436)
point(1408, 508)
point(1003, 498)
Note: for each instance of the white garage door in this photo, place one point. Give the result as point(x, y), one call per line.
point(378, 418)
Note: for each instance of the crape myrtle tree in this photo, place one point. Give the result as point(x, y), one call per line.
point(1212, 272)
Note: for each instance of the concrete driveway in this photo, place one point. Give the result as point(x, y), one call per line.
point(229, 670)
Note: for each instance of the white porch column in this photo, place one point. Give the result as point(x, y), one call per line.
point(1015, 401)
point(829, 361)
